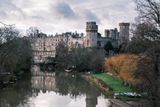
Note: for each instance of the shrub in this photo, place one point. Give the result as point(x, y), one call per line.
point(124, 66)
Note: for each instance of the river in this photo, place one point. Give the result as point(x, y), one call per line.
point(54, 89)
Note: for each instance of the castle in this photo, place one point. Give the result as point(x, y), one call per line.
point(94, 39)
point(45, 46)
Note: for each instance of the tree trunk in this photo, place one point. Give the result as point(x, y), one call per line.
point(155, 94)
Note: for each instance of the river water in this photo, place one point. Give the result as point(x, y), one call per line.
point(52, 90)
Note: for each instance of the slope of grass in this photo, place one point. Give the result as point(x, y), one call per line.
point(113, 82)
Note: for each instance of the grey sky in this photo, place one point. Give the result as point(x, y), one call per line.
point(52, 16)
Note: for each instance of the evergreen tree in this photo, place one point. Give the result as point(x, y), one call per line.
point(108, 46)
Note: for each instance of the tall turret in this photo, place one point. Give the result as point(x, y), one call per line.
point(124, 33)
point(111, 33)
point(91, 34)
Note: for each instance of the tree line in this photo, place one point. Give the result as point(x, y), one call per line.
point(15, 51)
point(81, 59)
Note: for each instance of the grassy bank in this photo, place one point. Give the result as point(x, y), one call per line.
point(113, 82)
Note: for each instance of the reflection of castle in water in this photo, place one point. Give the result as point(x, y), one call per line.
point(42, 80)
point(91, 99)
point(66, 85)
point(44, 83)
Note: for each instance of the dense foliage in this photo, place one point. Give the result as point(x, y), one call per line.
point(108, 46)
point(87, 58)
point(15, 52)
point(83, 59)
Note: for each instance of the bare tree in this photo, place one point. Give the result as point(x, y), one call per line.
point(15, 52)
point(148, 32)
point(7, 32)
point(149, 13)
point(149, 10)
point(142, 38)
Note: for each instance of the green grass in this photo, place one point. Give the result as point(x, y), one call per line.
point(113, 82)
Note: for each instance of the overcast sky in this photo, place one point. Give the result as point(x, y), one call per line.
point(56, 16)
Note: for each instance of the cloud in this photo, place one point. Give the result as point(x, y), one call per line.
point(3, 14)
point(66, 15)
point(63, 10)
point(7, 8)
point(90, 16)
point(37, 17)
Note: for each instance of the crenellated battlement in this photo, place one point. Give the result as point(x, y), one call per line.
point(124, 24)
point(91, 27)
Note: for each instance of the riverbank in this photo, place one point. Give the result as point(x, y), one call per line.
point(6, 78)
point(99, 83)
point(109, 85)
point(113, 82)
point(113, 86)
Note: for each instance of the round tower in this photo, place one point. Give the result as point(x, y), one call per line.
point(91, 34)
point(124, 33)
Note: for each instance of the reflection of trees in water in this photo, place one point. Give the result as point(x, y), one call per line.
point(16, 95)
point(75, 86)
point(64, 84)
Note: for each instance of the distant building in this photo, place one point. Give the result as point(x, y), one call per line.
point(45, 46)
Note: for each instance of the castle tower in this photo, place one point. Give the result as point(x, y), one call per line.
point(91, 34)
point(124, 33)
point(107, 33)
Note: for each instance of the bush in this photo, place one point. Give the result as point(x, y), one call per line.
point(15, 56)
point(124, 66)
